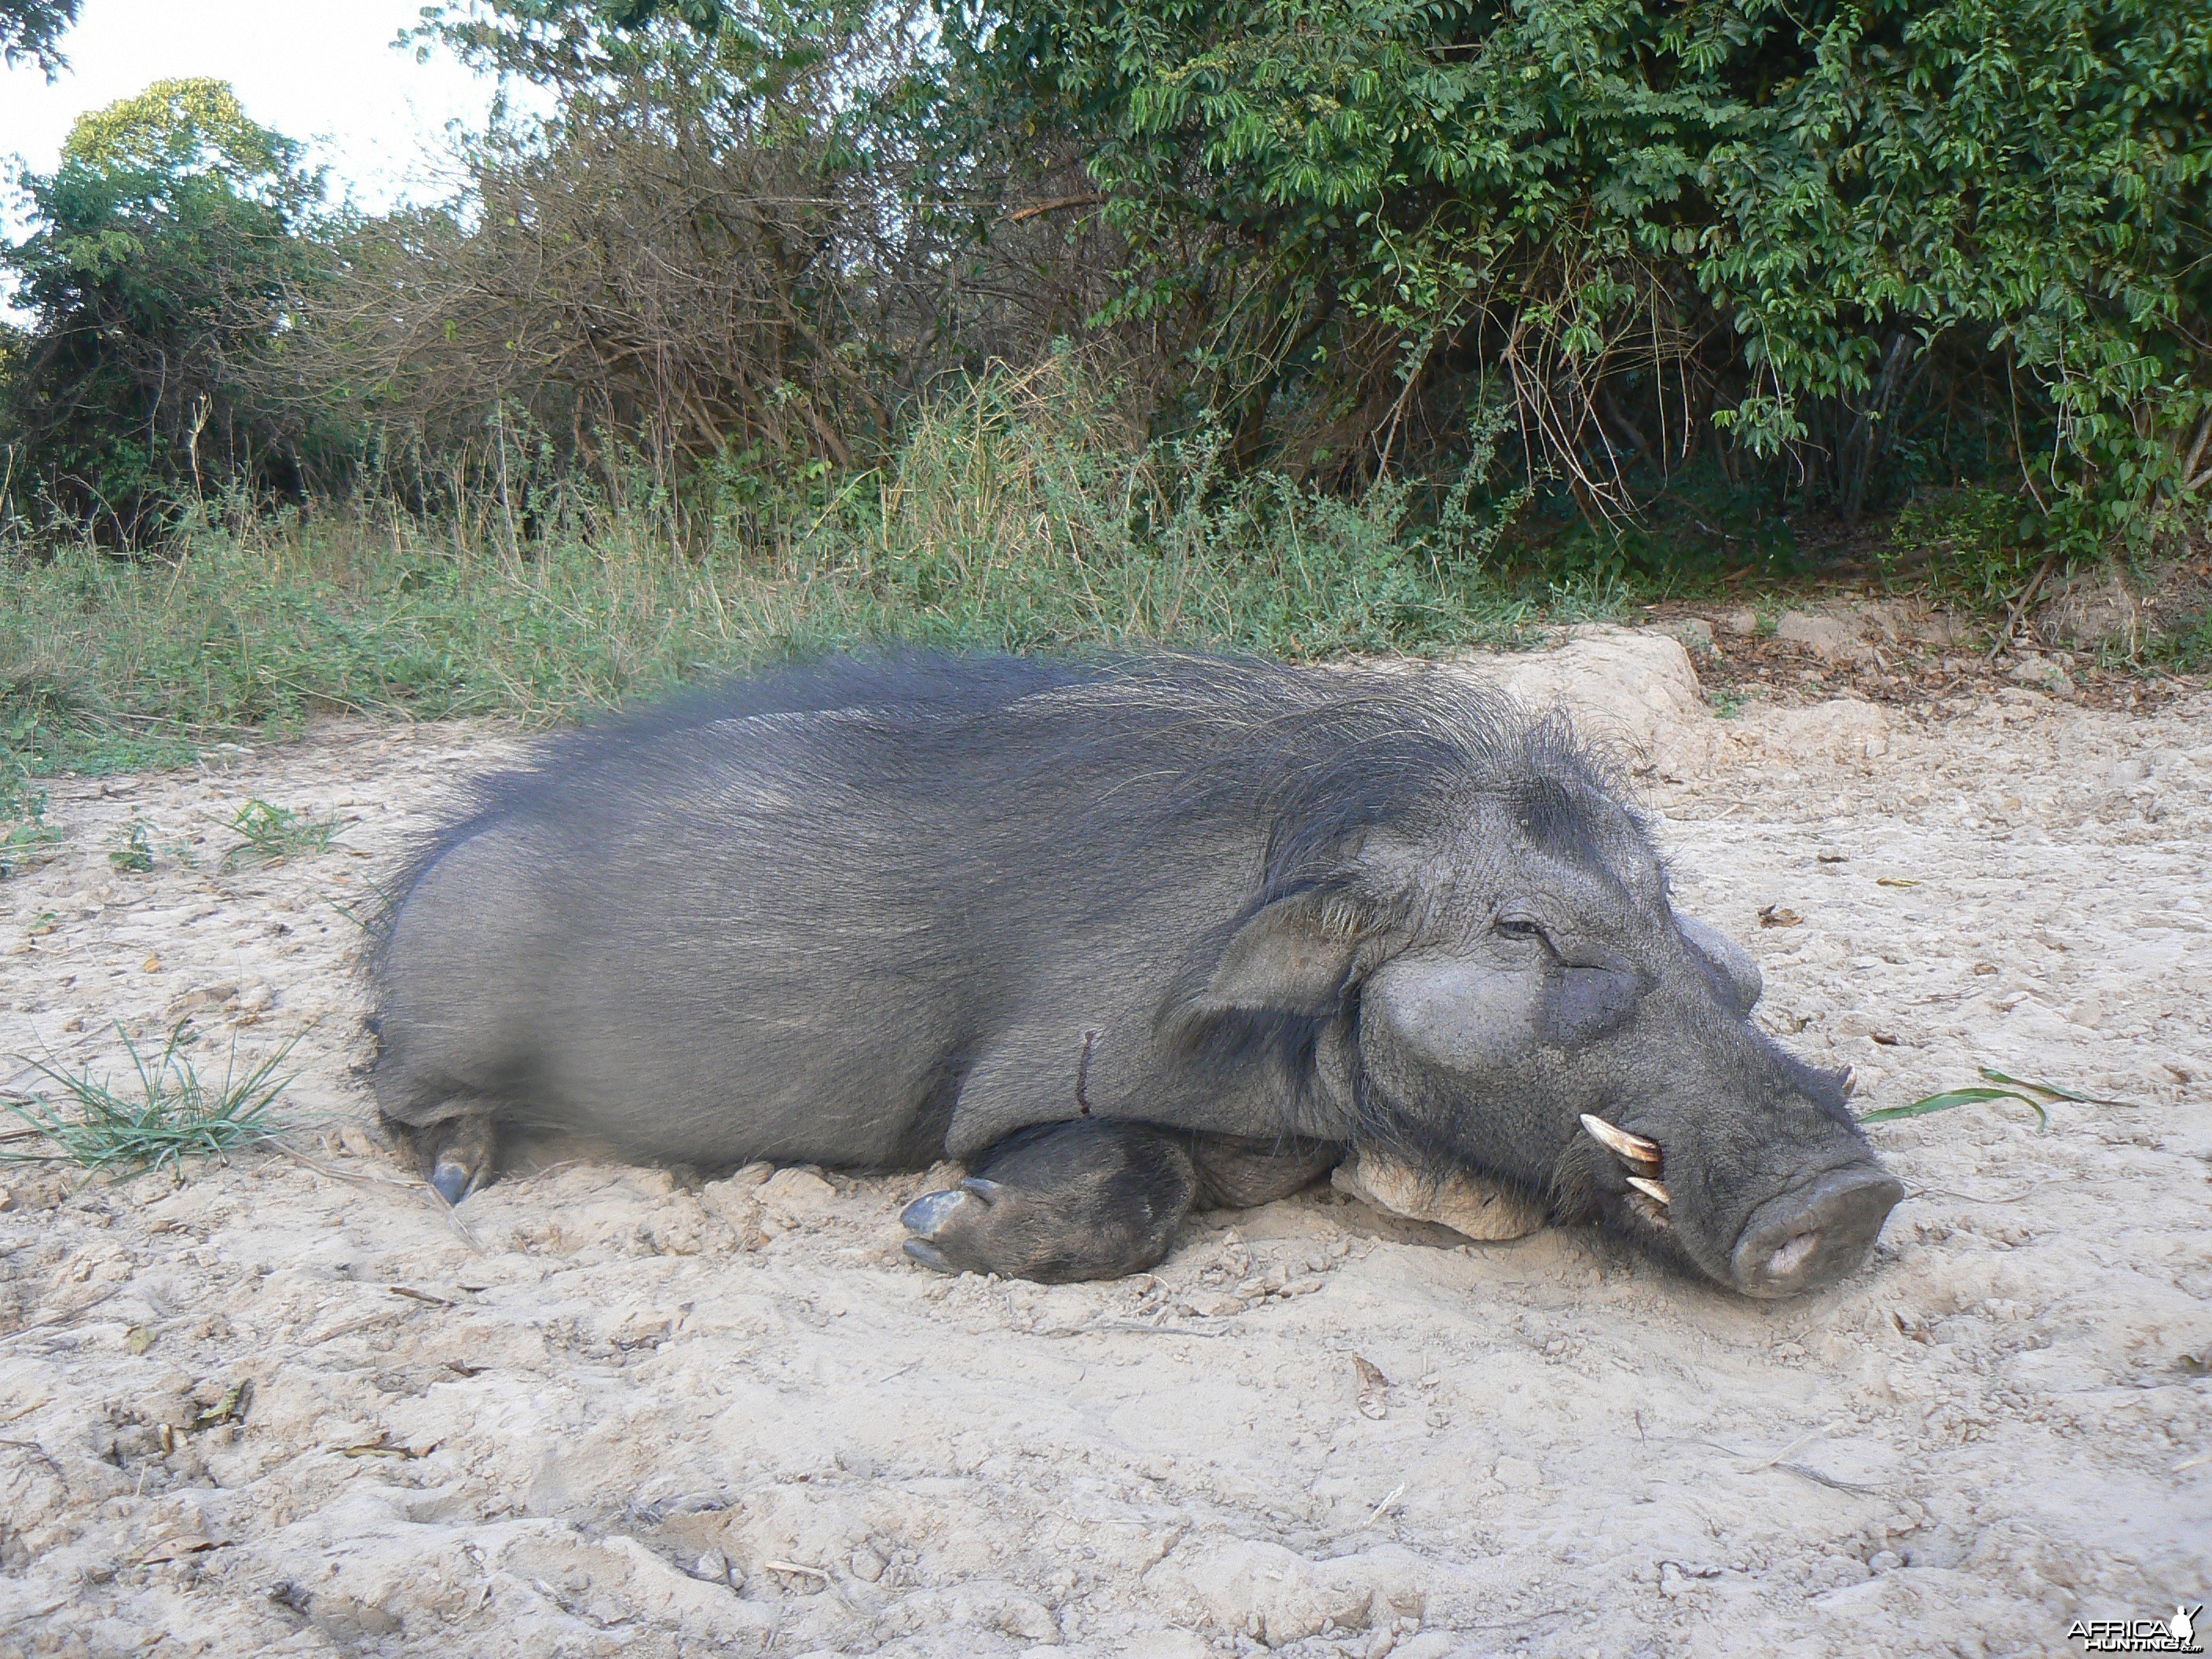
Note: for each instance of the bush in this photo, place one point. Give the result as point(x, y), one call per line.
point(1816, 228)
point(1967, 546)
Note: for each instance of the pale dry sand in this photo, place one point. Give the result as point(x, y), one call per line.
point(629, 1414)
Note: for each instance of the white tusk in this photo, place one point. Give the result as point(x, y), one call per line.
point(1650, 1189)
point(1630, 1149)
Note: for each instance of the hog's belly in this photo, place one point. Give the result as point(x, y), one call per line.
point(725, 1063)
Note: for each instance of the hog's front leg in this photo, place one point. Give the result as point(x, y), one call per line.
point(1096, 1198)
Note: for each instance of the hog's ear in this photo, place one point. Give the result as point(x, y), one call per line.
point(1293, 956)
point(1739, 973)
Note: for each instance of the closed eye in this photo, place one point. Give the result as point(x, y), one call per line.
point(1514, 928)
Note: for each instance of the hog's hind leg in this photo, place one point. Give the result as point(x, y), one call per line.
point(460, 1154)
point(1092, 1198)
point(1235, 1172)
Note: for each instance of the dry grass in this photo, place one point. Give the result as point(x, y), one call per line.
point(1022, 513)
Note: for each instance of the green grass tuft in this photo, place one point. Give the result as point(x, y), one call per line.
point(273, 834)
point(30, 840)
point(175, 1113)
point(132, 853)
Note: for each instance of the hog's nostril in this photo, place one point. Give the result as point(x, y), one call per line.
point(1814, 1234)
point(1792, 1255)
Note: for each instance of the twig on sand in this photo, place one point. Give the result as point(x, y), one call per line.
point(359, 1183)
point(1376, 1514)
point(461, 1229)
point(1828, 1481)
point(2018, 607)
point(1791, 1449)
point(367, 1183)
point(1519, 1621)
point(67, 1317)
point(1972, 1198)
point(1145, 1326)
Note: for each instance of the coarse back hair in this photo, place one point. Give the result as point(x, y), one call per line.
point(1118, 756)
point(1323, 755)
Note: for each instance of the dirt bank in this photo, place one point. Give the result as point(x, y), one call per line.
point(618, 1412)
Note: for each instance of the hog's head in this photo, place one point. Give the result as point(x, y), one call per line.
point(1502, 984)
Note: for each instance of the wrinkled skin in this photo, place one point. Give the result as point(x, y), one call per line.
point(1126, 942)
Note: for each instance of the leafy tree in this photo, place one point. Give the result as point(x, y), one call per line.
point(722, 50)
point(167, 249)
point(1785, 218)
point(31, 30)
point(1871, 239)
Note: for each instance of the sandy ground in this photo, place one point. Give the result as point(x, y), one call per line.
point(617, 1410)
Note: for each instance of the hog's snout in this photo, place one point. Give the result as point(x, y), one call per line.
point(1815, 1233)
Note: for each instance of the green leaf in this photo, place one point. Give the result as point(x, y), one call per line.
point(1950, 1098)
point(2056, 1092)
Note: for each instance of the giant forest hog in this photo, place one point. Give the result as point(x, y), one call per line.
point(1123, 937)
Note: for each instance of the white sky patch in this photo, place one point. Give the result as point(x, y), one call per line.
point(325, 71)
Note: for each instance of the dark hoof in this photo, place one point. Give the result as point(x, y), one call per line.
point(948, 1227)
point(929, 1256)
point(460, 1153)
point(454, 1181)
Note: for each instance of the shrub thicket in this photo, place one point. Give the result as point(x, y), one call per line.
point(1825, 254)
point(1858, 236)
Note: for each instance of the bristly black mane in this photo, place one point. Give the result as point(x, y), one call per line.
point(1327, 755)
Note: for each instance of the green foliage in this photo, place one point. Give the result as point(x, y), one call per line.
point(274, 834)
point(1951, 1097)
point(2189, 649)
point(166, 253)
point(176, 1114)
point(1016, 516)
point(133, 853)
point(750, 48)
point(30, 840)
point(2009, 1088)
point(178, 130)
point(1967, 546)
point(1691, 270)
point(1793, 217)
point(1007, 514)
point(31, 31)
